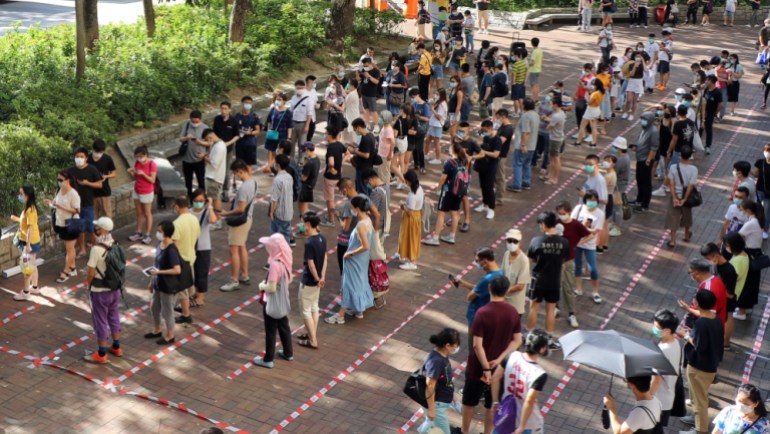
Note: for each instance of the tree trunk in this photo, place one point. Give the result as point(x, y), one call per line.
point(80, 38)
point(341, 24)
point(238, 19)
point(149, 17)
point(91, 15)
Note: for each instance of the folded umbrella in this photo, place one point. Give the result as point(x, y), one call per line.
point(615, 353)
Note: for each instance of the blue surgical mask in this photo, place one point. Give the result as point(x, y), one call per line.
point(414, 101)
point(591, 204)
point(659, 113)
point(476, 264)
point(678, 97)
point(460, 135)
point(686, 103)
point(358, 139)
point(247, 106)
point(589, 168)
point(452, 84)
point(643, 123)
point(21, 199)
point(737, 201)
point(613, 151)
point(340, 75)
point(199, 205)
point(547, 99)
point(656, 332)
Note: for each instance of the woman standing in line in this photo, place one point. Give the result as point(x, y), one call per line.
point(277, 127)
point(67, 206)
point(439, 390)
point(165, 284)
point(28, 241)
point(747, 416)
point(411, 223)
point(751, 231)
point(438, 116)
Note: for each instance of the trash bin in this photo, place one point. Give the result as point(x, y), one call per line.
point(660, 14)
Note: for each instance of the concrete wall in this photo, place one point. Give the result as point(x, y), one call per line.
point(742, 14)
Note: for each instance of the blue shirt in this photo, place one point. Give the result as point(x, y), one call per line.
point(247, 124)
point(482, 294)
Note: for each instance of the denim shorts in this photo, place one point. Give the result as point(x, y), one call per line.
point(438, 71)
point(435, 132)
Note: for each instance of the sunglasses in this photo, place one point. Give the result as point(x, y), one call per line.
point(512, 240)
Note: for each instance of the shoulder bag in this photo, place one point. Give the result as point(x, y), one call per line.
point(694, 199)
point(272, 134)
point(242, 218)
point(679, 409)
point(183, 147)
point(415, 387)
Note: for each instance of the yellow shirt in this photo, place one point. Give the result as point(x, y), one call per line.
point(595, 100)
point(425, 61)
point(186, 233)
point(29, 224)
point(606, 80)
point(536, 60)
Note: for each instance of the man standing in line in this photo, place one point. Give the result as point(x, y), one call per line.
point(646, 149)
point(227, 128)
point(215, 167)
point(302, 116)
point(281, 204)
point(187, 229)
point(310, 86)
point(574, 231)
point(88, 181)
point(105, 166)
point(483, 11)
point(535, 68)
point(249, 128)
point(712, 105)
point(525, 141)
point(335, 151)
point(192, 165)
point(238, 235)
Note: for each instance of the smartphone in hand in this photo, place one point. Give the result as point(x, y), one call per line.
point(454, 280)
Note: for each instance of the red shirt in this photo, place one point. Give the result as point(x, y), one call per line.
point(580, 93)
point(574, 231)
point(715, 285)
point(497, 323)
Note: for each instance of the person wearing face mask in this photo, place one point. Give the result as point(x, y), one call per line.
point(369, 76)
point(760, 172)
point(703, 350)
point(665, 52)
point(635, 86)
point(623, 172)
point(144, 172)
point(486, 165)
point(106, 166)
point(215, 167)
point(421, 116)
point(729, 276)
point(448, 201)
point(645, 417)
point(573, 231)
point(352, 109)
point(238, 235)
point(735, 70)
point(592, 217)
point(594, 181)
point(395, 84)
point(28, 240)
point(204, 209)
point(548, 251)
point(249, 127)
point(652, 50)
point(228, 128)
point(748, 415)
point(683, 133)
point(646, 149)
point(312, 93)
point(751, 231)
point(505, 131)
point(556, 137)
point(664, 325)
point(87, 180)
point(278, 125)
point(524, 378)
point(681, 181)
point(741, 171)
point(516, 269)
point(722, 73)
point(67, 206)
point(165, 283)
point(192, 145)
point(524, 145)
point(437, 368)
point(734, 217)
point(187, 229)
point(611, 179)
point(605, 37)
point(302, 112)
point(105, 301)
point(544, 111)
point(334, 96)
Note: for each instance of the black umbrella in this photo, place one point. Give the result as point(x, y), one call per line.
point(615, 353)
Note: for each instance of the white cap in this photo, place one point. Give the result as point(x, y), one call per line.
point(104, 223)
point(513, 233)
point(680, 91)
point(620, 143)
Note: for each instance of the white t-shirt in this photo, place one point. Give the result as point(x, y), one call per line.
point(352, 110)
point(313, 100)
point(665, 394)
point(651, 49)
point(69, 200)
point(441, 111)
point(522, 375)
point(606, 36)
point(735, 217)
point(640, 419)
point(414, 201)
point(663, 54)
point(752, 234)
point(583, 214)
point(598, 184)
point(216, 167)
point(730, 5)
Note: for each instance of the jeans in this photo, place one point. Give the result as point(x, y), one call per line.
point(622, 97)
point(442, 421)
point(765, 201)
point(708, 124)
point(590, 258)
point(469, 42)
point(280, 325)
point(676, 157)
point(199, 170)
point(723, 91)
point(465, 111)
point(522, 169)
point(437, 28)
point(606, 56)
point(586, 15)
point(487, 183)
point(543, 139)
point(282, 227)
point(643, 184)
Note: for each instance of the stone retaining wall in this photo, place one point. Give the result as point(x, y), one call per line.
point(742, 14)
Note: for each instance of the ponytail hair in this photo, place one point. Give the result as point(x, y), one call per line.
point(361, 203)
point(459, 151)
point(412, 179)
point(445, 337)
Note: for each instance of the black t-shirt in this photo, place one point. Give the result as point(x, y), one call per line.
point(402, 126)
point(708, 336)
point(315, 249)
point(366, 146)
point(507, 132)
point(456, 27)
point(368, 88)
point(664, 139)
point(439, 368)
point(88, 173)
point(548, 252)
point(490, 144)
point(310, 170)
point(334, 151)
point(763, 177)
point(225, 129)
point(105, 165)
point(471, 147)
point(729, 276)
point(712, 98)
point(684, 130)
point(457, 54)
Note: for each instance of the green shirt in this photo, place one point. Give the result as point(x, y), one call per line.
point(741, 265)
point(519, 70)
point(536, 60)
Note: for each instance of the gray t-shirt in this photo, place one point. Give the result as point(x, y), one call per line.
point(247, 192)
point(623, 171)
point(598, 184)
point(204, 239)
point(689, 176)
point(379, 199)
point(556, 126)
point(191, 156)
point(529, 123)
point(468, 84)
point(283, 193)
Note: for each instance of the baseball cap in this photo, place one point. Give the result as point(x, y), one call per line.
point(104, 223)
point(680, 91)
point(513, 233)
point(307, 146)
point(620, 143)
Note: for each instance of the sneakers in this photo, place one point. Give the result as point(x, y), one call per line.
point(334, 319)
point(117, 352)
point(615, 232)
point(660, 192)
point(95, 358)
point(408, 266)
point(481, 208)
point(465, 227)
point(736, 315)
point(688, 420)
point(589, 138)
point(554, 345)
point(708, 150)
point(292, 242)
point(229, 287)
point(640, 209)
point(147, 240)
point(434, 162)
point(596, 298)
point(573, 322)
point(431, 241)
point(136, 236)
point(22, 296)
point(624, 116)
point(283, 355)
point(259, 361)
point(578, 291)
point(449, 239)
point(630, 117)
point(490, 214)
point(326, 222)
point(691, 431)
point(764, 235)
point(244, 281)
point(181, 319)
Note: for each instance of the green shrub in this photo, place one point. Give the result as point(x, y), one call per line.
point(370, 22)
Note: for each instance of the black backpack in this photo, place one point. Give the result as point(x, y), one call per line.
point(499, 88)
point(114, 276)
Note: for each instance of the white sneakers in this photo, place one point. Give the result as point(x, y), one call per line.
point(615, 232)
point(481, 208)
point(736, 315)
point(573, 322)
point(624, 116)
point(408, 265)
point(490, 214)
point(434, 162)
point(630, 117)
point(661, 192)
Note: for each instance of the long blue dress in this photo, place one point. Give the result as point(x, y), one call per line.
point(356, 292)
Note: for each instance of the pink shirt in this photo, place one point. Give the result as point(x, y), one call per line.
point(142, 185)
point(387, 139)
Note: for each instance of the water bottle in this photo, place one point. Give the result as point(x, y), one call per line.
point(606, 417)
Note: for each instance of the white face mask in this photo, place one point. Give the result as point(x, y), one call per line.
point(605, 165)
point(159, 235)
point(743, 408)
point(512, 247)
point(564, 217)
point(767, 155)
point(456, 350)
point(97, 155)
point(735, 173)
point(79, 161)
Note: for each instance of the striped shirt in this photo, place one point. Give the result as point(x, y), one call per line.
point(519, 70)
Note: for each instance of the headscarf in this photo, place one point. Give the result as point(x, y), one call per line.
point(279, 257)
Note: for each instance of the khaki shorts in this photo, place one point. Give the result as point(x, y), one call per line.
point(330, 187)
point(103, 206)
point(484, 15)
point(555, 147)
point(237, 235)
point(143, 198)
point(213, 188)
point(518, 300)
point(308, 300)
point(186, 293)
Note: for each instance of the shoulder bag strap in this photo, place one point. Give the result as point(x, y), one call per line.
point(684, 187)
point(752, 424)
point(283, 113)
point(649, 414)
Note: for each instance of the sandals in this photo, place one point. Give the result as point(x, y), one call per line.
point(194, 302)
point(687, 237)
point(306, 343)
point(303, 337)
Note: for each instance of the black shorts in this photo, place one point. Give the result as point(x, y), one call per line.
point(732, 303)
point(474, 390)
point(664, 415)
point(610, 207)
point(540, 294)
point(733, 90)
point(448, 202)
point(64, 234)
point(246, 153)
point(306, 194)
point(664, 66)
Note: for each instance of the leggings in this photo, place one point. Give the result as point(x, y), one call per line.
point(280, 325)
point(341, 250)
point(708, 123)
point(767, 89)
point(423, 84)
point(419, 152)
point(199, 170)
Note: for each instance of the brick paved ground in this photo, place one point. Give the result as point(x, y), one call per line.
point(43, 399)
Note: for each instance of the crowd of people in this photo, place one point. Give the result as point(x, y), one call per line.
point(389, 150)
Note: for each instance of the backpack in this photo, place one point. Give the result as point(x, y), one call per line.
point(499, 88)
point(114, 276)
point(460, 181)
point(506, 415)
point(296, 181)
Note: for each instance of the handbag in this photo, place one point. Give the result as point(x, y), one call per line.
point(378, 276)
point(415, 386)
point(183, 147)
point(627, 211)
point(694, 199)
point(242, 218)
point(679, 409)
point(401, 144)
point(396, 99)
point(77, 225)
point(272, 134)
